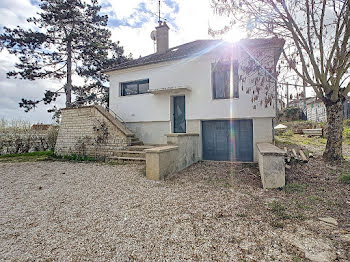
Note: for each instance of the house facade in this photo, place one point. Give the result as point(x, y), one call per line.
point(201, 87)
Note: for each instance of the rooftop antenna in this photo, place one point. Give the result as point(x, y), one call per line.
point(159, 22)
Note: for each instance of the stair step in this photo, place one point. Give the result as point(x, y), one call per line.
point(129, 152)
point(128, 158)
point(126, 153)
point(136, 143)
point(138, 147)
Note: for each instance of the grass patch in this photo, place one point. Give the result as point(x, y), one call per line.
point(301, 140)
point(302, 206)
point(314, 198)
point(75, 157)
point(279, 210)
point(294, 188)
point(345, 178)
point(41, 153)
point(43, 156)
point(26, 157)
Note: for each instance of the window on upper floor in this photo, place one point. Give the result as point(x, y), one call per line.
point(221, 79)
point(134, 87)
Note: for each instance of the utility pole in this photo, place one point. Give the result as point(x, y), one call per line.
point(159, 11)
point(287, 92)
point(304, 95)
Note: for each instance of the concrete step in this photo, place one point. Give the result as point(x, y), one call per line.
point(138, 147)
point(131, 159)
point(128, 153)
point(137, 142)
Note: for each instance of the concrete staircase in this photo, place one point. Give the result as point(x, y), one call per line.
point(119, 123)
point(133, 153)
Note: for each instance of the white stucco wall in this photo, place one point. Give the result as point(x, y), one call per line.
point(150, 115)
point(262, 132)
point(192, 73)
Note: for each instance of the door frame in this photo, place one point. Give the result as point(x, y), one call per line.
point(173, 114)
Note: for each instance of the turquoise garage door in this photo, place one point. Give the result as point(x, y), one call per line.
point(226, 140)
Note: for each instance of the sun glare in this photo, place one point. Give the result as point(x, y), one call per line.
point(234, 35)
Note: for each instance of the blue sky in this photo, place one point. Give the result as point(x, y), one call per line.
point(130, 21)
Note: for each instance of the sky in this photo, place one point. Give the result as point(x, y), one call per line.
point(130, 22)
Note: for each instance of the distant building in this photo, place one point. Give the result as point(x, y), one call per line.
point(316, 110)
point(40, 127)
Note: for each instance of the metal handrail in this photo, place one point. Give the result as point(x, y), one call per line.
point(108, 109)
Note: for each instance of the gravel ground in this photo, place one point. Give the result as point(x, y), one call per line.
point(61, 211)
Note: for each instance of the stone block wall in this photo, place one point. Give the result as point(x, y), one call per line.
point(271, 166)
point(90, 131)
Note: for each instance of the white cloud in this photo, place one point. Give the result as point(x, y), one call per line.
point(13, 90)
point(191, 23)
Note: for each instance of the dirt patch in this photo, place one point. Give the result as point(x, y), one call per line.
point(54, 211)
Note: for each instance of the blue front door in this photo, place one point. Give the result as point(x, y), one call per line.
point(179, 114)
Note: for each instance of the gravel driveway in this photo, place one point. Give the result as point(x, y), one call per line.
point(61, 211)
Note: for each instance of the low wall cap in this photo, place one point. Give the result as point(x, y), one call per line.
point(269, 149)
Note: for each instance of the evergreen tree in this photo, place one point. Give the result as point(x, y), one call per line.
point(67, 37)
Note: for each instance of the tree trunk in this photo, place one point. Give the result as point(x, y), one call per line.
point(333, 151)
point(68, 88)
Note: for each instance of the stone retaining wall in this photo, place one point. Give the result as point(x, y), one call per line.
point(182, 151)
point(271, 166)
point(90, 131)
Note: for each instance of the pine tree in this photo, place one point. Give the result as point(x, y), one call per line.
point(67, 37)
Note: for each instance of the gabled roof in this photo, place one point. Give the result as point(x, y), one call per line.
point(194, 49)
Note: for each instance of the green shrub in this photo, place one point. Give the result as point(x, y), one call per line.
point(346, 133)
point(345, 178)
point(294, 188)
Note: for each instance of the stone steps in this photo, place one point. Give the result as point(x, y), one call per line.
point(136, 141)
point(128, 153)
point(128, 159)
point(138, 147)
point(133, 153)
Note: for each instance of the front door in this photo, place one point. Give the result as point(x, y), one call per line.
point(179, 114)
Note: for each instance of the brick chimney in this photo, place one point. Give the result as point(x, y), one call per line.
point(162, 37)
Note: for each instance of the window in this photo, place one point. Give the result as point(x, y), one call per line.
point(221, 75)
point(134, 87)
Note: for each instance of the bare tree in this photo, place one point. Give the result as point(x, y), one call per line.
point(317, 47)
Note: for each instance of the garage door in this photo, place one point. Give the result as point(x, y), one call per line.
point(228, 140)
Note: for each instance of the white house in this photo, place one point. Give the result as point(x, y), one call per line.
point(210, 87)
